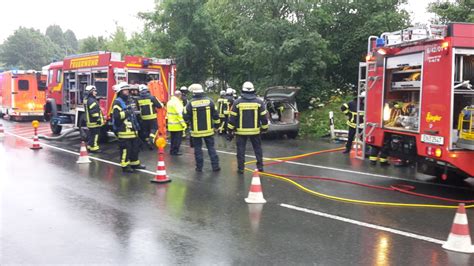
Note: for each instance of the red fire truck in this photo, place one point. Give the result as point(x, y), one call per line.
point(420, 99)
point(67, 80)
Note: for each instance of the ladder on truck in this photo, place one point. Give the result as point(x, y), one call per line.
point(415, 34)
point(359, 138)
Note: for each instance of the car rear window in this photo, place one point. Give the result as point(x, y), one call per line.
point(23, 84)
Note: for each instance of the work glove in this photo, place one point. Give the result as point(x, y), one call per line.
point(184, 133)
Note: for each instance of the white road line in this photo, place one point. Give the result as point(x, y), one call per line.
point(364, 224)
point(76, 153)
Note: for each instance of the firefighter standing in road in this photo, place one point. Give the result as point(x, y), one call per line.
point(148, 104)
point(248, 118)
point(350, 110)
point(176, 124)
point(94, 118)
point(126, 127)
point(201, 115)
point(184, 94)
point(224, 104)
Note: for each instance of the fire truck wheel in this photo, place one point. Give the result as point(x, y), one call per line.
point(83, 130)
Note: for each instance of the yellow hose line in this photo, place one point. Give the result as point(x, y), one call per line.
point(322, 195)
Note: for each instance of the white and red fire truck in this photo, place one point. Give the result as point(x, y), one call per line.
point(67, 79)
point(420, 99)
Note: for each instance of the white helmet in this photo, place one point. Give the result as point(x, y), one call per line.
point(248, 87)
point(222, 93)
point(362, 94)
point(229, 91)
point(142, 87)
point(121, 86)
point(196, 88)
point(183, 89)
point(90, 88)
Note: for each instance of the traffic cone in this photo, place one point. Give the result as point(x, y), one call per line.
point(255, 192)
point(356, 145)
point(83, 155)
point(2, 131)
point(161, 176)
point(459, 239)
point(36, 143)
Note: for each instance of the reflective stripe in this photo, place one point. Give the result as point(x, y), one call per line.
point(92, 105)
point(124, 163)
point(264, 112)
point(230, 126)
point(373, 158)
point(232, 113)
point(383, 160)
point(95, 115)
point(137, 162)
point(264, 126)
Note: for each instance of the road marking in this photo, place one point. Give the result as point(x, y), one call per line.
point(76, 153)
point(364, 224)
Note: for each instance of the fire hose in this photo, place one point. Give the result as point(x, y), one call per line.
point(402, 188)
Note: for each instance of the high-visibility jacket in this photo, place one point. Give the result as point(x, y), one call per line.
point(175, 115)
point(147, 105)
point(94, 116)
point(223, 106)
point(350, 110)
point(122, 120)
point(248, 115)
point(202, 116)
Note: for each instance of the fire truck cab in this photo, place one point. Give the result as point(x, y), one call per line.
point(67, 80)
point(22, 94)
point(420, 99)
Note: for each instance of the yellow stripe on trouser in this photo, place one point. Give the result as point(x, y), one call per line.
point(315, 193)
point(95, 146)
point(373, 158)
point(137, 162)
point(123, 162)
point(383, 160)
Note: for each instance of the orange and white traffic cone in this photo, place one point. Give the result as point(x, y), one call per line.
point(36, 143)
point(255, 192)
point(161, 176)
point(356, 145)
point(2, 131)
point(83, 155)
point(459, 239)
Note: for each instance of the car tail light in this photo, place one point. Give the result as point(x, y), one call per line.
point(432, 151)
point(370, 139)
point(297, 116)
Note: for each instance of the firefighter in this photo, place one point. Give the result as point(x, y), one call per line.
point(380, 154)
point(148, 104)
point(184, 92)
point(201, 115)
point(248, 118)
point(350, 110)
point(223, 106)
point(94, 118)
point(126, 126)
point(176, 124)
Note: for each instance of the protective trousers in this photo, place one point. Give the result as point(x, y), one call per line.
point(198, 156)
point(378, 153)
point(223, 124)
point(350, 138)
point(241, 141)
point(93, 139)
point(129, 149)
point(176, 138)
point(148, 130)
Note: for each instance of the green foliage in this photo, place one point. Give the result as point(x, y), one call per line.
point(91, 44)
point(27, 48)
point(448, 11)
point(72, 45)
point(118, 41)
point(314, 122)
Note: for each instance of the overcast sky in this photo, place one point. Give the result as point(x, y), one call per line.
point(98, 17)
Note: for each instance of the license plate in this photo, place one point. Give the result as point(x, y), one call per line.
point(432, 139)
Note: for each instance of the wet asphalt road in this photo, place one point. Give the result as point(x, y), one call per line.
point(56, 211)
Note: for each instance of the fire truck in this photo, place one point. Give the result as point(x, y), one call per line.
point(22, 94)
point(67, 80)
point(419, 103)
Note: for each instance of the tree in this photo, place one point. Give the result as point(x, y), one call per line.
point(118, 41)
point(92, 44)
point(448, 11)
point(72, 45)
point(27, 48)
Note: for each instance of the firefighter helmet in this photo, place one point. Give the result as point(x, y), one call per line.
point(229, 91)
point(90, 88)
point(362, 94)
point(196, 88)
point(222, 93)
point(183, 89)
point(248, 87)
point(121, 86)
point(142, 87)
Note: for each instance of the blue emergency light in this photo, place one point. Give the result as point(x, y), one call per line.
point(380, 42)
point(146, 62)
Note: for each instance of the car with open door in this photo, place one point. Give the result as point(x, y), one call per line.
point(283, 115)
